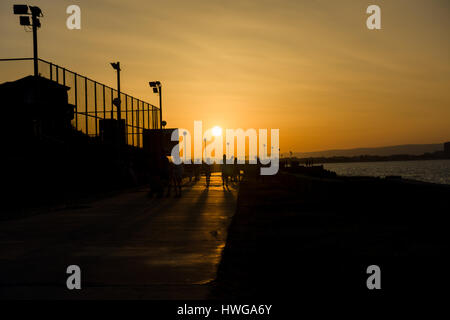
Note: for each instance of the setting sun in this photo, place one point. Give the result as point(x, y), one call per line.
point(217, 131)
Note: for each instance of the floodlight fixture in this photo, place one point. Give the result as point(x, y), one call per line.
point(116, 65)
point(20, 9)
point(116, 101)
point(36, 11)
point(157, 88)
point(25, 21)
point(154, 84)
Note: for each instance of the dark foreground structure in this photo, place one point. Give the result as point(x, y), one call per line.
point(127, 245)
point(63, 139)
point(295, 235)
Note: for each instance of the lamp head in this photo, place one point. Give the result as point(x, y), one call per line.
point(25, 21)
point(20, 9)
point(154, 84)
point(116, 65)
point(36, 11)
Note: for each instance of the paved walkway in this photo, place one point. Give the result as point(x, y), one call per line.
point(127, 246)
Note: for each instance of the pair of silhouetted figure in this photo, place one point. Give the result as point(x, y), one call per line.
point(227, 171)
point(165, 174)
point(207, 170)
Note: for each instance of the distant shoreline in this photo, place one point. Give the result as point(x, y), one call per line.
point(383, 161)
point(366, 158)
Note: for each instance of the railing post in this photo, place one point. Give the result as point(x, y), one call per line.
point(76, 100)
point(143, 116)
point(137, 124)
point(95, 106)
point(112, 105)
point(86, 105)
point(104, 103)
point(148, 117)
point(126, 118)
point(132, 122)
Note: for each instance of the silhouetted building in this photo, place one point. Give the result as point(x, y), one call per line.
point(34, 107)
point(447, 148)
point(157, 140)
point(113, 131)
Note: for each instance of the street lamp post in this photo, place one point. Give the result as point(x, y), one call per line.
point(157, 88)
point(116, 101)
point(184, 149)
point(160, 106)
point(204, 139)
point(36, 13)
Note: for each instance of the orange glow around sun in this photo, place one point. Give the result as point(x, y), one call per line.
point(217, 131)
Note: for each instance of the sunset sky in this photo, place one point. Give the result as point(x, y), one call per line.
point(309, 68)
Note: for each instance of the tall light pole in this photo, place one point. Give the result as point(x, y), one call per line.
point(116, 101)
point(204, 139)
point(184, 150)
point(157, 88)
point(35, 13)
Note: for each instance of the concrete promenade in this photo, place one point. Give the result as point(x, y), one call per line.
point(127, 246)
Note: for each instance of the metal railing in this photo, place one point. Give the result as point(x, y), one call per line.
point(93, 102)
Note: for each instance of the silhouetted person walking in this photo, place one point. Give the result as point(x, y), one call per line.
point(236, 171)
point(226, 171)
point(178, 170)
point(165, 174)
point(207, 170)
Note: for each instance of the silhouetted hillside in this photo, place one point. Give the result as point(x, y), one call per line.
point(410, 149)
